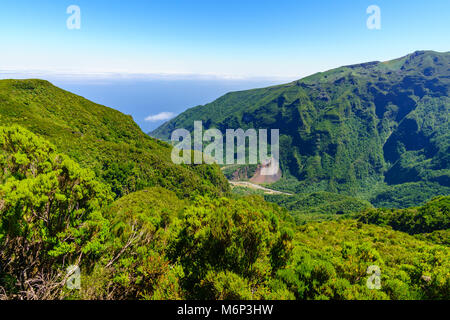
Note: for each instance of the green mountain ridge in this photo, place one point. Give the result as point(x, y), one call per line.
point(377, 130)
point(102, 139)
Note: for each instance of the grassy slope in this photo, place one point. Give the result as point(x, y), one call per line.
point(100, 138)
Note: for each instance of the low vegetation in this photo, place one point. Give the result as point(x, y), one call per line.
point(156, 243)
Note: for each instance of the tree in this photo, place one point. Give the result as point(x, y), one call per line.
point(50, 215)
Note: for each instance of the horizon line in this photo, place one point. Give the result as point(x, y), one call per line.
point(119, 75)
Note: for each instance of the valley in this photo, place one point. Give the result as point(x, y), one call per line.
point(364, 153)
point(378, 131)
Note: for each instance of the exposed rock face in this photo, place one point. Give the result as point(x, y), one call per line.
point(261, 177)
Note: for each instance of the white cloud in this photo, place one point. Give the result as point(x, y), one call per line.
point(162, 116)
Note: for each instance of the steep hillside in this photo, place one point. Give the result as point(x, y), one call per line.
point(102, 139)
point(371, 129)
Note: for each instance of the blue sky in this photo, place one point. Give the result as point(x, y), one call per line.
point(285, 39)
point(155, 59)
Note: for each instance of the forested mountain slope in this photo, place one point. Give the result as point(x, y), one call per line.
point(379, 130)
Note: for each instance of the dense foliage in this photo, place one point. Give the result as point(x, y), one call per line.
point(433, 216)
point(50, 213)
point(305, 207)
point(153, 244)
point(333, 258)
point(229, 249)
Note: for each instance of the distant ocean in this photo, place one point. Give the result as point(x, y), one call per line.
point(141, 97)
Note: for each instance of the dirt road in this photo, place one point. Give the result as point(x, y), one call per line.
point(257, 187)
